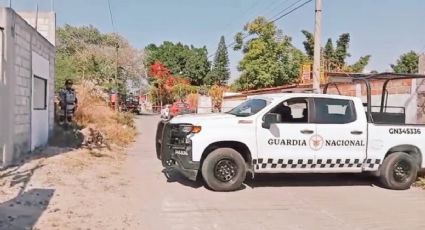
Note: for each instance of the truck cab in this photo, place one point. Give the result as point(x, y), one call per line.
point(291, 133)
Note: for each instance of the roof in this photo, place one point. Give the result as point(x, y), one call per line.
point(292, 88)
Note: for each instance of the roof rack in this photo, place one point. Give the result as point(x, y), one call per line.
point(347, 78)
point(351, 77)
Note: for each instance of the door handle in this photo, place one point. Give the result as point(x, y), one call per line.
point(356, 132)
point(307, 131)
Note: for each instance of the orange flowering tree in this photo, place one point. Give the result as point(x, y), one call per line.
point(167, 87)
point(216, 93)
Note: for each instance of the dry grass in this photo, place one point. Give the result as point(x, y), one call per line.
point(420, 183)
point(93, 111)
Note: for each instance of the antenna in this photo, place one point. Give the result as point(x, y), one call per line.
point(36, 18)
point(52, 5)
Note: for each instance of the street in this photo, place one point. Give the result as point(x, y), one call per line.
point(268, 202)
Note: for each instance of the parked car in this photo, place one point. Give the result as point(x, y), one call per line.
point(179, 108)
point(295, 133)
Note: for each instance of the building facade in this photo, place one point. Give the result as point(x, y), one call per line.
point(26, 87)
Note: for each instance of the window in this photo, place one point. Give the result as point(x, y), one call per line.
point(249, 107)
point(294, 110)
point(334, 111)
point(40, 93)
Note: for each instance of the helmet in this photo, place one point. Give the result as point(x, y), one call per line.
point(68, 82)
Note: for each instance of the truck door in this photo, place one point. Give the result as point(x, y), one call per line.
point(340, 142)
point(284, 147)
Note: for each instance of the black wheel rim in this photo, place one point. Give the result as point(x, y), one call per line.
point(402, 171)
point(225, 170)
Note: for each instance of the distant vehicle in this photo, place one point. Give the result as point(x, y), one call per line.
point(179, 108)
point(131, 104)
point(165, 112)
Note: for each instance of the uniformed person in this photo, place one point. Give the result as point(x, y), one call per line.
point(67, 102)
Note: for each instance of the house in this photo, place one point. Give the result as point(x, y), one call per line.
point(27, 76)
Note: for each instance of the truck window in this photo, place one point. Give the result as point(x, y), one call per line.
point(334, 111)
point(248, 108)
point(294, 110)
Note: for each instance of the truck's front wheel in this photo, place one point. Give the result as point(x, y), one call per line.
point(399, 171)
point(224, 169)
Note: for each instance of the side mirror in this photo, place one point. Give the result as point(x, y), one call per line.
point(271, 118)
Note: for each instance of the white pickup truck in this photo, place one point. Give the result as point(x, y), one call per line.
point(292, 133)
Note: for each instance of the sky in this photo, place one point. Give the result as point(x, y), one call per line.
point(382, 28)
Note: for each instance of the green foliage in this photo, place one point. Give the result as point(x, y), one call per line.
point(407, 63)
point(334, 57)
point(182, 60)
point(220, 72)
point(269, 57)
point(308, 44)
point(359, 66)
point(86, 53)
point(341, 51)
point(181, 90)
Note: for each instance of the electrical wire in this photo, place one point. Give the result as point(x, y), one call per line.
point(111, 16)
point(274, 20)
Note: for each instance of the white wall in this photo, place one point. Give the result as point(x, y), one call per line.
point(204, 104)
point(39, 118)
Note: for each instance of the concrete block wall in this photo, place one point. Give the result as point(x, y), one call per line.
point(20, 41)
point(421, 90)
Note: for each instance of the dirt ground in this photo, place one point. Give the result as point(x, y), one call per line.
point(66, 189)
point(73, 189)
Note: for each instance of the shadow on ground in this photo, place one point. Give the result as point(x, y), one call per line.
point(311, 180)
point(24, 211)
point(174, 176)
point(288, 180)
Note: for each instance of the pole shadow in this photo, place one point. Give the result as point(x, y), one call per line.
point(24, 210)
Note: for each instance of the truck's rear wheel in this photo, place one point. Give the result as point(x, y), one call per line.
point(399, 171)
point(224, 169)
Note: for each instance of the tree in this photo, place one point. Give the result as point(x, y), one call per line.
point(334, 57)
point(407, 63)
point(269, 57)
point(183, 60)
point(220, 72)
point(308, 44)
point(85, 52)
point(359, 66)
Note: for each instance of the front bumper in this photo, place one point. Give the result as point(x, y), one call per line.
point(175, 156)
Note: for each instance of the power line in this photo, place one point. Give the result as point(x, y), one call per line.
point(282, 11)
point(296, 8)
point(274, 20)
point(112, 18)
point(247, 12)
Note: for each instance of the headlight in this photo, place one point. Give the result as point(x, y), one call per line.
point(186, 128)
point(190, 129)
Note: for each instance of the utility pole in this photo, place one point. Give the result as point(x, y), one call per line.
point(317, 46)
point(116, 77)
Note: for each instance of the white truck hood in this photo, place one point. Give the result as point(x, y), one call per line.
point(197, 118)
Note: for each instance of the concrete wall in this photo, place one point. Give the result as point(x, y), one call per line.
point(420, 85)
point(46, 23)
point(20, 40)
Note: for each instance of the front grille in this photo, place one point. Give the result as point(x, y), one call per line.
point(176, 137)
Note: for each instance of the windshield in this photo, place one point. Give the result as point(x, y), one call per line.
point(249, 107)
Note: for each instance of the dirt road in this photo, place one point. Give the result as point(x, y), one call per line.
point(268, 202)
point(74, 190)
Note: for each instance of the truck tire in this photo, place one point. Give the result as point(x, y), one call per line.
point(398, 171)
point(224, 169)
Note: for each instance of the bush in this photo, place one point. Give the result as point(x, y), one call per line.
point(93, 110)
